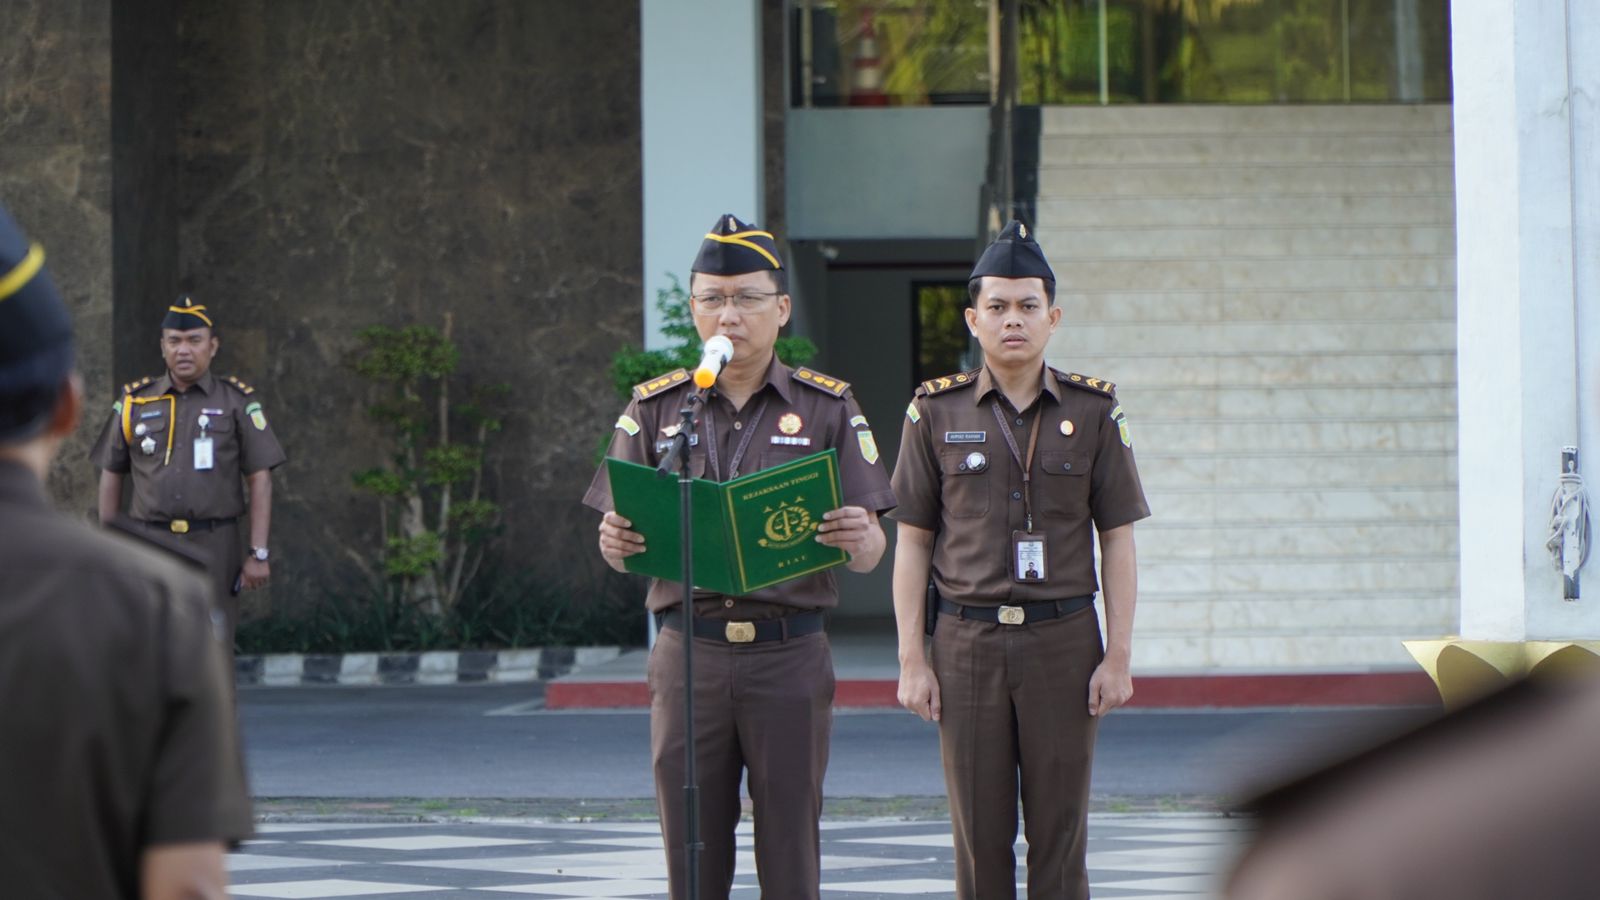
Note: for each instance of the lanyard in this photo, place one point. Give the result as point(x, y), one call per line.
point(744, 440)
point(1026, 465)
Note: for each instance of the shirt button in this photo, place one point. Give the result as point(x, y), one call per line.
point(1016, 495)
point(1066, 467)
point(727, 603)
point(738, 425)
point(1019, 421)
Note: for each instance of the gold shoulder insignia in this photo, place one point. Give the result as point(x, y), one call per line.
point(1087, 383)
point(949, 382)
point(245, 389)
point(821, 382)
point(656, 385)
point(133, 386)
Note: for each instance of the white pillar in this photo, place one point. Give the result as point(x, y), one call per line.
point(700, 103)
point(1526, 275)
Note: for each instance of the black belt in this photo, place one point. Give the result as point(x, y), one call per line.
point(184, 526)
point(756, 632)
point(1019, 613)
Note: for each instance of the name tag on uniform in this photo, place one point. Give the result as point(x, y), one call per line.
point(965, 437)
point(204, 457)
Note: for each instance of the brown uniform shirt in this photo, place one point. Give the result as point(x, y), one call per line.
point(1083, 477)
point(172, 487)
point(797, 412)
point(119, 731)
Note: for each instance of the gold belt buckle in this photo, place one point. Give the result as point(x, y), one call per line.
point(1012, 615)
point(179, 526)
point(740, 632)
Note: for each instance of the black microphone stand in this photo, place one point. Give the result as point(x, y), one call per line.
point(677, 457)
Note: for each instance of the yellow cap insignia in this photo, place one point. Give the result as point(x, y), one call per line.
point(869, 447)
point(626, 423)
point(790, 423)
point(912, 414)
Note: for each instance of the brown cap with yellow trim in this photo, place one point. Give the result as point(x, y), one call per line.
point(186, 315)
point(36, 346)
point(735, 248)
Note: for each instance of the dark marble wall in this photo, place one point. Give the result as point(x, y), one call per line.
point(144, 133)
point(55, 177)
point(377, 161)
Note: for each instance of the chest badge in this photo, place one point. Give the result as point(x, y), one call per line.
point(1067, 427)
point(965, 437)
point(975, 462)
point(148, 446)
point(790, 424)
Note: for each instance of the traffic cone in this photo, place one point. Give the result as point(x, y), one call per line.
point(866, 79)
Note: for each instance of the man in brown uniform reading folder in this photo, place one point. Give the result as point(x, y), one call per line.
point(186, 439)
point(119, 762)
point(1004, 476)
point(763, 672)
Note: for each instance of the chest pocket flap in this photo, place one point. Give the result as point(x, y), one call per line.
point(1065, 490)
point(964, 489)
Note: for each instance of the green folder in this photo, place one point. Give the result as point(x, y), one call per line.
point(749, 533)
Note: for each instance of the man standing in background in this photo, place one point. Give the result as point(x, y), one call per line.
point(187, 439)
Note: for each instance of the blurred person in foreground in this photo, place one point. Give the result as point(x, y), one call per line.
point(119, 766)
point(1499, 801)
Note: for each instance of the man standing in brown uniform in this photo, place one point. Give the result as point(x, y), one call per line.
point(186, 439)
point(1004, 476)
point(119, 763)
point(763, 671)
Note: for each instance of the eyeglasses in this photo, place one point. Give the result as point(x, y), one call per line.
point(750, 301)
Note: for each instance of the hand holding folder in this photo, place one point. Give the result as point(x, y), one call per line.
point(749, 533)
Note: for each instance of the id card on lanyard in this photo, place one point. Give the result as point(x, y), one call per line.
point(1028, 551)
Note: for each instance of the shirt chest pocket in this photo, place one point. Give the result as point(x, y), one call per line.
point(1064, 489)
point(154, 428)
point(964, 489)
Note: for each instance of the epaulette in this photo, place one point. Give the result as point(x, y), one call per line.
point(1087, 383)
point(948, 382)
point(245, 389)
point(821, 382)
point(132, 386)
point(647, 389)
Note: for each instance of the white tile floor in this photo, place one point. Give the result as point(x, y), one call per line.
point(1150, 857)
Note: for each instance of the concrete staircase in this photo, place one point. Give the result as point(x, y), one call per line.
point(1273, 290)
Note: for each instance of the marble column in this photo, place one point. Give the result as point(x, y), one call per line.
point(55, 177)
point(1527, 191)
point(700, 93)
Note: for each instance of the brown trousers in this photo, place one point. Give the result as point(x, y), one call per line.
point(766, 708)
point(1016, 711)
point(224, 560)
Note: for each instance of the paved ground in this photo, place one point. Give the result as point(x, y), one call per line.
point(495, 742)
point(1153, 857)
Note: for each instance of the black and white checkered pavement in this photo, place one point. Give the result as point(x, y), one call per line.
point(1156, 857)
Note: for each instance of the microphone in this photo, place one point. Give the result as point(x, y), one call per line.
point(718, 351)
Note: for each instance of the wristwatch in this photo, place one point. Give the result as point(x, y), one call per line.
point(260, 553)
